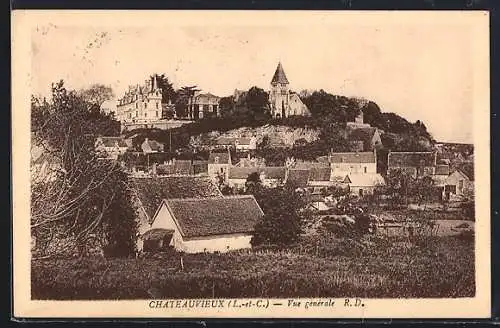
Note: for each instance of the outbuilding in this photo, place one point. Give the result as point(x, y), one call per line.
point(197, 225)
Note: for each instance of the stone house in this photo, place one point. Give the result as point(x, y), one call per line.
point(353, 163)
point(219, 164)
point(364, 183)
point(198, 225)
point(269, 176)
point(416, 164)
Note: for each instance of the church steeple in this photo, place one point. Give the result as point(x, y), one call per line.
point(279, 76)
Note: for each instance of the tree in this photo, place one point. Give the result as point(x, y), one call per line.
point(423, 189)
point(96, 94)
point(226, 105)
point(253, 181)
point(167, 90)
point(257, 103)
point(86, 206)
point(184, 98)
point(284, 216)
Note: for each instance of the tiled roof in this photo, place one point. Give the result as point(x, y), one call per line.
point(151, 191)
point(224, 158)
point(320, 174)
point(310, 165)
point(244, 141)
point(298, 177)
point(361, 134)
point(467, 169)
point(225, 141)
point(279, 75)
point(271, 172)
point(442, 170)
point(353, 157)
point(411, 159)
point(215, 216)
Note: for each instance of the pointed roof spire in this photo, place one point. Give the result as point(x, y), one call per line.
point(279, 75)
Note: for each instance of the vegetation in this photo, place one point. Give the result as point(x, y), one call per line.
point(85, 205)
point(284, 214)
point(318, 267)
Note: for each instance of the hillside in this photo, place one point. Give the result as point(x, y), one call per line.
point(277, 135)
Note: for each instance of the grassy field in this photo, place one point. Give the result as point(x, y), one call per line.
point(318, 267)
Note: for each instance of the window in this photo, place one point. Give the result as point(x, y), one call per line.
point(221, 170)
point(156, 113)
point(360, 192)
point(365, 169)
point(156, 106)
point(145, 114)
point(136, 114)
point(136, 105)
point(145, 105)
point(216, 159)
point(460, 185)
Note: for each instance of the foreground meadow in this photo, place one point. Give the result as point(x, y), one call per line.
point(438, 266)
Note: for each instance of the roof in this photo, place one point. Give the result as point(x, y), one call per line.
point(353, 157)
point(320, 174)
point(206, 95)
point(215, 216)
point(442, 170)
point(271, 172)
point(279, 75)
point(244, 141)
point(411, 159)
point(467, 169)
point(364, 134)
point(151, 191)
point(299, 177)
point(225, 141)
point(111, 141)
point(310, 165)
point(224, 158)
point(368, 180)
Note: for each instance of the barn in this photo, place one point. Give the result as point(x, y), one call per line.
point(197, 225)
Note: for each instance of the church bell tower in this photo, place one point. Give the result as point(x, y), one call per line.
point(279, 97)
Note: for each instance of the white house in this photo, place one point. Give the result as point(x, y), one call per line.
point(353, 163)
point(197, 225)
point(458, 183)
point(151, 146)
point(363, 184)
point(246, 143)
point(218, 165)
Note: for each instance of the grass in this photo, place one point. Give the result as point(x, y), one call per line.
point(318, 267)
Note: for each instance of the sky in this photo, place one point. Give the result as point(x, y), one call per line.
point(419, 71)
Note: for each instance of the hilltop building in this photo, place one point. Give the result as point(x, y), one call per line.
point(203, 105)
point(283, 102)
point(141, 103)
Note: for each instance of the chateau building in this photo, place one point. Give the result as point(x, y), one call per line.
point(141, 103)
point(283, 102)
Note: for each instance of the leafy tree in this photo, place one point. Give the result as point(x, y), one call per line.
point(226, 105)
point(96, 94)
point(257, 103)
point(422, 189)
point(253, 181)
point(167, 89)
point(184, 97)
point(284, 216)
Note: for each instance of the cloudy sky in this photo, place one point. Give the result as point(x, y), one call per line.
point(420, 71)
